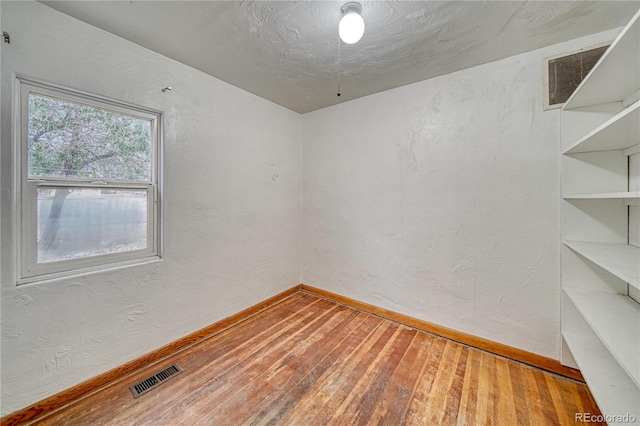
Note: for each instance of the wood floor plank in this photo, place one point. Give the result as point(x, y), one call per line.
point(250, 366)
point(358, 405)
point(469, 394)
point(282, 372)
point(419, 409)
point(505, 409)
point(565, 400)
point(559, 403)
point(535, 410)
point(381, 377)
point(547, 403)
point(394, 400)
point(339, 352)
point(324, 394)
point(453, 398)
point(310, 361)
point(486, 390)
point(518, 390)
point(585, 399)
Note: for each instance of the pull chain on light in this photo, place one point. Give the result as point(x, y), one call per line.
point(350, 28)
point(338, 66)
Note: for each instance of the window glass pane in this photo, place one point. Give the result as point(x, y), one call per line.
point(67, 139)
point(78, 223)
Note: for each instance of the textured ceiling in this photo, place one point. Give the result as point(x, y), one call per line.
point(287, 51)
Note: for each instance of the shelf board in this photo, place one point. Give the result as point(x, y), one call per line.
point(616, 75)
point(615, 319)
point(604, 196)
point(621, 260)
point(612, 389)
point(619, 132)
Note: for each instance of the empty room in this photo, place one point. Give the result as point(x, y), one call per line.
point(320, 212)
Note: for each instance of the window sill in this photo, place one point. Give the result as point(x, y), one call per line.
point(78, 273)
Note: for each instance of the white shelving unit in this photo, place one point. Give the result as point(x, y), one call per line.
point(619, 132)
point(621, 260)
point(615, 77)
point(596, 308)
point(601, 219)
point(602, 372)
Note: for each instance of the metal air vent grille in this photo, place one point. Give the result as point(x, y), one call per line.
point(149, 383)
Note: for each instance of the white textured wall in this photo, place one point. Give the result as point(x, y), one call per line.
point(232, 217)
point(441, 200)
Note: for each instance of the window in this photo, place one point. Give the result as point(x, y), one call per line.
point(87, 182)
point(564, 74)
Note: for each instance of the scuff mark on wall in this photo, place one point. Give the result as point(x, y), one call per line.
point(424, 121)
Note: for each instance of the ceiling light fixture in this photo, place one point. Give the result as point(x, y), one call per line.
point(351, 27)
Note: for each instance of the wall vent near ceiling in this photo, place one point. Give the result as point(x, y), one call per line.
point(564, 73)
point(152, 382)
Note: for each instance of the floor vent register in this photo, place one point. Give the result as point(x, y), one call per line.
point(154, 381)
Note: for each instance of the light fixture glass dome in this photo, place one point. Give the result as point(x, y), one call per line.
point(351, 27)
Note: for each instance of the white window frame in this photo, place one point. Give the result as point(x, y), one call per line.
point(25, 189)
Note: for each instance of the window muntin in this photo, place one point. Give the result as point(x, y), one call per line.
point(88, 182)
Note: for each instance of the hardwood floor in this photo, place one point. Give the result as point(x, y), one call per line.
point(309, 361)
